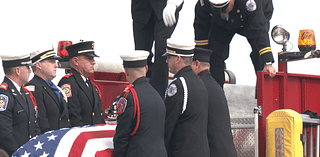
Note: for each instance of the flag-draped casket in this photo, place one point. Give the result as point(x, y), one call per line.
point(86, 141)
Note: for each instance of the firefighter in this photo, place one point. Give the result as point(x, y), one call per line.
point(84, 101)
point(217, 21)
point(140, 124)
point(186, 104)
point(148, 29)
point(219, 127)
point(18, 122)
point(51, 101)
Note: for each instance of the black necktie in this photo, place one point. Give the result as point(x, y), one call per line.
point(90, 86)
point(88, 83)
point(23, 94)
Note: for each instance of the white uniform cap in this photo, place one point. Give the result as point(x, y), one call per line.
point(219, 2)
point(39, 55)
point(12, 58)
point(138, 58)
point(15, 61)
point(180, 47)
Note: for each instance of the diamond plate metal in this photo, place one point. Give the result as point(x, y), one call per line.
point(243, 136)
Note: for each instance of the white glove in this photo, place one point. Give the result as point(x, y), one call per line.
point(169, 11)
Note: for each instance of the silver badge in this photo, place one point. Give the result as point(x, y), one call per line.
point(251, 5)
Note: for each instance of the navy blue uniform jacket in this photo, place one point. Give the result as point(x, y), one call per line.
point(219, 128)
point(51, 116)
point(252, 24)
point(148, 141)
point(84, 103)
point(18, 121)
point(187, 116)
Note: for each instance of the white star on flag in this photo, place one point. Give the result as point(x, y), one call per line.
point(52, 137)
point(25, 154)
point(88, 141)
point(39, 145)
point(44, 154)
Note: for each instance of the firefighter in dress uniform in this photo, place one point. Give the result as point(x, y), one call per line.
point(84, 101)
point(140, 124)
point(219, 127)
point(18, 122)
point(217, 21)
point(51, 100)
point(149, 28)
point(186, 105)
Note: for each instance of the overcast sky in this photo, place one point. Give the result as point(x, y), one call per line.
point(30, 25)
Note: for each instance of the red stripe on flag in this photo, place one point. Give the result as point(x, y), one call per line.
point(80, 142)
point(104, 153)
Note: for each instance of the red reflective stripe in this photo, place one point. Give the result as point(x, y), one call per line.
point(134, 95)
point(81, 141)
point(97, 88)
point(137, 110)
point(67, 75)
point(34, 102)
point(136, 105)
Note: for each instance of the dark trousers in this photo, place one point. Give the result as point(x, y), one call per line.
point(144, 37)
point(220, 39)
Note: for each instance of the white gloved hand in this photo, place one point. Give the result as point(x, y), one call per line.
point(169, 11)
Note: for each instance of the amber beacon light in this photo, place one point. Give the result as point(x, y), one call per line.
point(307, 40)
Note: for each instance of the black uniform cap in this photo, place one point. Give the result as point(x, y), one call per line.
point(15, 61)
point(82, 48)
point(202, 54)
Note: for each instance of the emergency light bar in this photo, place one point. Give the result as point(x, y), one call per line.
point(62, 52)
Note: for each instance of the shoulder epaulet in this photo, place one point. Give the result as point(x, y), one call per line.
point(4, 86)
point(67, 75)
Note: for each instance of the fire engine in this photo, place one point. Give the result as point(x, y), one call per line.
point(274, 128)
point(288, 92)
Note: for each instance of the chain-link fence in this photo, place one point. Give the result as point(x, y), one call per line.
point(243, 136)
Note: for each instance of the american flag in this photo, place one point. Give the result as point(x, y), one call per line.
point(86, 141)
